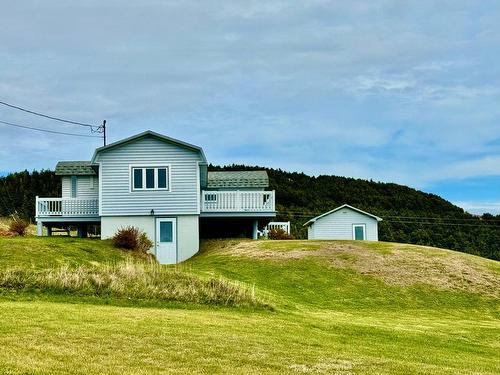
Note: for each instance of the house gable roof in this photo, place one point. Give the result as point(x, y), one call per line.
point(149, 133)
point(238, 179)
point(75, 168)
point(340, 208)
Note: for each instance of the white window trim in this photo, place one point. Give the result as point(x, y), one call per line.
point(154, 166)
point(354, 231)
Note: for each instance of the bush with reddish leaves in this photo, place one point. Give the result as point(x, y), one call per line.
point(132, 238)
point(279, 234)
point(18, 226)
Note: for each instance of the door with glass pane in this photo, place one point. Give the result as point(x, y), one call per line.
point(166, 240)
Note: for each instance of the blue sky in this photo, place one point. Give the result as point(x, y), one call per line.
point(406, 92)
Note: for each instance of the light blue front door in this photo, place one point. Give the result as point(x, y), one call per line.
point(359, 232)
point(166, 240)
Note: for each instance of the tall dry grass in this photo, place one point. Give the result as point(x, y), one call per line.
point(131, 280)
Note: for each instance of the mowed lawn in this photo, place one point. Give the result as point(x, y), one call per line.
point(337, 308)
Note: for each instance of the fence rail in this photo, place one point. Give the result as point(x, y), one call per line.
point(284, 225)
point(237, 201)
point(66, 207)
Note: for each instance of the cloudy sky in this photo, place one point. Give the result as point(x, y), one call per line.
point(400, 91)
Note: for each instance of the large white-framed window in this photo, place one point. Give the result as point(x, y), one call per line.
point(150, 178)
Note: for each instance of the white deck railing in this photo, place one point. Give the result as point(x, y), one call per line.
point(237, 201)
point(285, 225)
point(66, 207)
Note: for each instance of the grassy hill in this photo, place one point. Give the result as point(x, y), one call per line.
point(332, 308)
point(410, 215)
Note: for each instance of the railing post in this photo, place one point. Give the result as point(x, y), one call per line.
point(36, 206)
point(238, 201)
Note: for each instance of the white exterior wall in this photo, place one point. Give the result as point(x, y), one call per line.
point(188, 242)
point(339, 226)
point(66, 186)
point(188, 236)
point(116, 197)
point(87, 187)
point(111, 224)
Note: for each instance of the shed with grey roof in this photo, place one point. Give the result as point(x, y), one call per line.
point(344, 223)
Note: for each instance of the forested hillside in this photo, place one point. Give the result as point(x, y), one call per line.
point(410, 216)
point(18, 191)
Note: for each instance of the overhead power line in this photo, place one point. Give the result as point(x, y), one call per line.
point(386, 217)
point(483, 225)
point(47, 116)
point(48, 131)
point(414, 220)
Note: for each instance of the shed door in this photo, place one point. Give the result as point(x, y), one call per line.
point(359, 232)
point(166, 240)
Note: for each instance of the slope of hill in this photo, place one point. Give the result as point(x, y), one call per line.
point(339, 308)
point(410, 216)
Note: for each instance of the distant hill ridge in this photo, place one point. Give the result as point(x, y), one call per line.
point(410, 216)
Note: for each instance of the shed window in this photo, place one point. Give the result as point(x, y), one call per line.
point(150, 178)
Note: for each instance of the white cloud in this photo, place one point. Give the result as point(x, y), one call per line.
point(478, 207)
point(367, 89)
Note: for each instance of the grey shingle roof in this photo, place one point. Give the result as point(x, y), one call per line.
point(75, 168)
point(238, 179)
point(339, 208)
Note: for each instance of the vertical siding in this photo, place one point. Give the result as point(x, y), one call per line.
point(338, 226)
point(66, 186)
point(116, 197)
point(84, 189)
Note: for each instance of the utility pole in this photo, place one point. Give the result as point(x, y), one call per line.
point(104, 131)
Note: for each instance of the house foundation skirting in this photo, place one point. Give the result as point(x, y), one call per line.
point(187, 231)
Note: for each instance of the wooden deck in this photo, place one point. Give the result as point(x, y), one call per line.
point(67, 208)
point(237, 201)
point(212, 202)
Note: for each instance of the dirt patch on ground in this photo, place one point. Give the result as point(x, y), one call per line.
point(395, 264)
point(405, 266)
point(336, 367)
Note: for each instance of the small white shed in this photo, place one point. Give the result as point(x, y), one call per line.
point(343, 223)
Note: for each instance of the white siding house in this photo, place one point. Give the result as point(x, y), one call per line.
point(344, 223)
point(160, 185)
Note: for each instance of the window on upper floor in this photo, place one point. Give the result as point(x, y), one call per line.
point(150, 178)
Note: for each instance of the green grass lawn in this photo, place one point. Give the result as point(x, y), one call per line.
point(338, 308)
point(50, 252)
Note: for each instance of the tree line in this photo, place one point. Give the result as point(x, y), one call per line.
point(410, 216)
